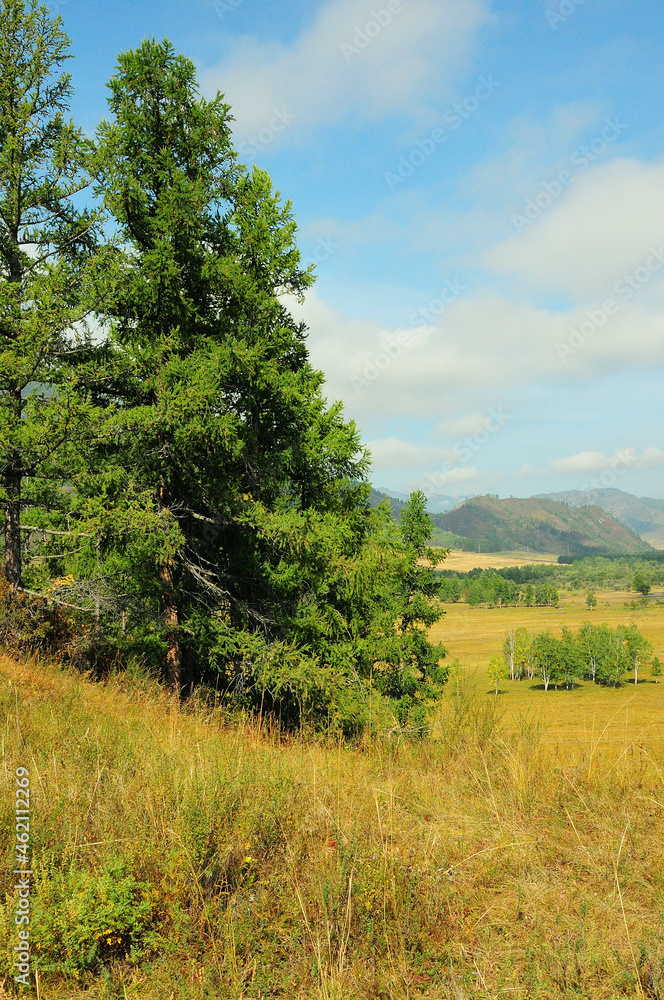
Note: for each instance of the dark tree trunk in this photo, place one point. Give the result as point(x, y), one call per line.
point(171, 621)
point(171, 617)
point(13, 528)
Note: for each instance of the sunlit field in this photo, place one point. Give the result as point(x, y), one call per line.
point(462, 562)
point(179, 854)
point(630, 713)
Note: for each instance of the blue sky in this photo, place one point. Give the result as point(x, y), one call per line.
point(481, 186)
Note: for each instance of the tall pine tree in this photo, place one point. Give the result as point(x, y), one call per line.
point(219, 429)
point(225, 498)
point(49, 266)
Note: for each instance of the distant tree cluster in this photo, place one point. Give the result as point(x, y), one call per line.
point(619, 572)
point(636, 573)
point(494, 590)
point(596, 653)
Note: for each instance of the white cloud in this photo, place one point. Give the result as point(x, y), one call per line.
point(482, 349)
point(461, 426)
point(650, 458)
point(586, 462)
point(582, 240)
point(330, 72)
point(395, 453)
point(582, 462)
point(536, 149)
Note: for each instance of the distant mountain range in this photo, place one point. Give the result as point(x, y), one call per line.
point(437, 503)
point(396, 504)
point(609, 521)
point(643, 515)
point(542, 525)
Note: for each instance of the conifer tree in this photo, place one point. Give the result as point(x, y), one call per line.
point(226, 500)
point(220, 448)
point(49, 264)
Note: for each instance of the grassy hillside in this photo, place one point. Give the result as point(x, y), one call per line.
point(642, 514)
point(542, 525)
point(181, 856)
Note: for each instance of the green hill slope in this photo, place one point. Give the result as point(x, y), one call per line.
point(542, 525)
point(644, 515)
point(396, 506)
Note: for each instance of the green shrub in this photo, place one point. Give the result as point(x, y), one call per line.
point(84, 920)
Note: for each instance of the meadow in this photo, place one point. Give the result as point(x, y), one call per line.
point(462, 562)
point(632, 712)
point(180, 854)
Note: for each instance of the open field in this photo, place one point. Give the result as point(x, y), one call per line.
point(462, 562)
point(193, 858)
point(630, 713)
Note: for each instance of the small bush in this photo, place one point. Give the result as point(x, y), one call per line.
point(85, 920)
point(30, 623)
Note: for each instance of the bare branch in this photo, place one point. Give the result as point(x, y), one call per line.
point(50, 531)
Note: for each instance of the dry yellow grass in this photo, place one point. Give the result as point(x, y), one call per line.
point(488, 864)
point(631, 713)
point(463, 562)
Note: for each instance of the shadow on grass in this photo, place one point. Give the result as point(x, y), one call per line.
point(561, 687)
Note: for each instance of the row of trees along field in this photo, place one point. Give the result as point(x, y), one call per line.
point(539, 584)
point(171, 475)
point(597, 653)
point(493, 589)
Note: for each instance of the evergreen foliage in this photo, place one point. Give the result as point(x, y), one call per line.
point(50, 264)
point(213, 514)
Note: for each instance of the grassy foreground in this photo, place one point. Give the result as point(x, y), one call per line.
point(177, 856)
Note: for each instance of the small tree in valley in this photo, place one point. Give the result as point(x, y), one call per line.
point(637, 647)
point(546, 653)
point(509, 652)
point(523, 654)
point(496, 671)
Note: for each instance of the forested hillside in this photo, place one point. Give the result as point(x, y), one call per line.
point(642, 514)
point(541, 525)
